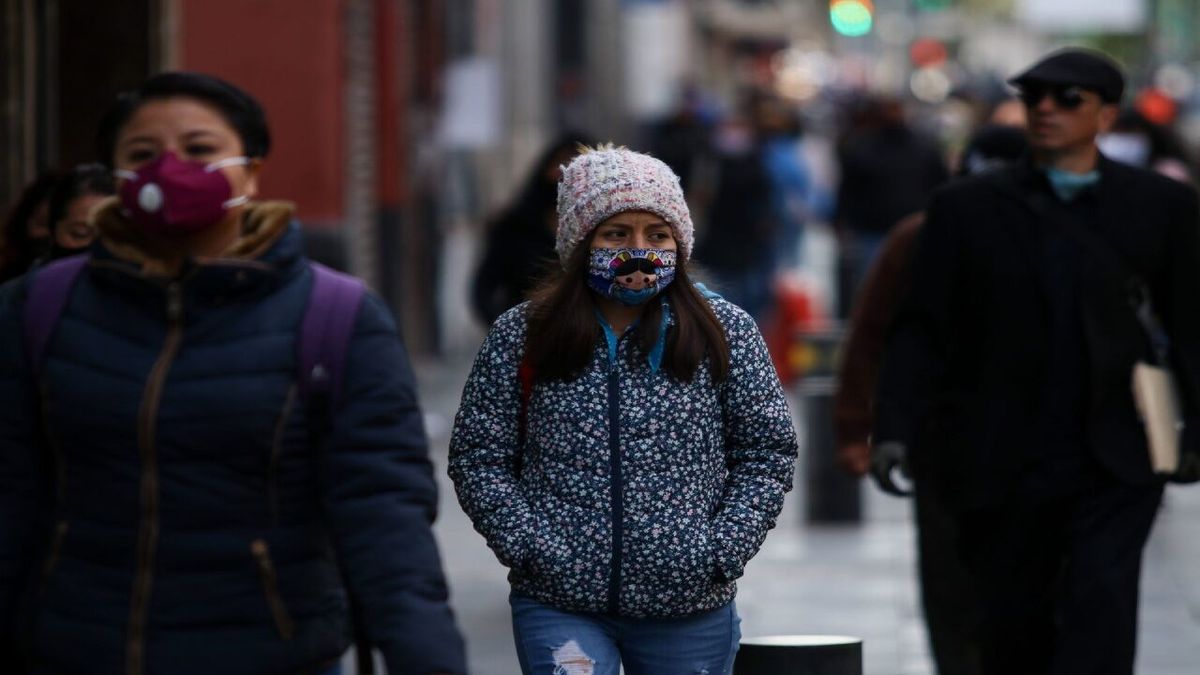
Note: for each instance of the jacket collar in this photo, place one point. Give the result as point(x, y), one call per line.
point(1025, 184)
point(655, 357)
point(1025, 178)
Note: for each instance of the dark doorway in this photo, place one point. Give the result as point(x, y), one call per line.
point(61, 64)
point(95, 49)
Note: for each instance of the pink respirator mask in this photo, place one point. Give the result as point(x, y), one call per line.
point(170, 196)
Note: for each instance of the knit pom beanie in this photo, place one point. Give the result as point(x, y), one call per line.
point(604, 181)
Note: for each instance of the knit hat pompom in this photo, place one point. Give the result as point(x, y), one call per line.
point(603, 181)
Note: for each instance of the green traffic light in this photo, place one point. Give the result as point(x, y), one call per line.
point(852, 18)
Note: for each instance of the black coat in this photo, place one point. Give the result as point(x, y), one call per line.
point(887, 174)
point(967, 356)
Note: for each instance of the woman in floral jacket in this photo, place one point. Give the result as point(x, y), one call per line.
point(623, 442)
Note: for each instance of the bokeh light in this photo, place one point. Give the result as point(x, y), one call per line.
point(852, 18)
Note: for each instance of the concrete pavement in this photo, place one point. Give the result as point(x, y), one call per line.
point(853, 580)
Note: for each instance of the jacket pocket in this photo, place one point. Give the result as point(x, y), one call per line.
point(671, 569)
point(60, 535)
point(270, 582)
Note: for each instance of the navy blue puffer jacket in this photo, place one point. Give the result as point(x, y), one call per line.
point(638, 495)
point(171, 514)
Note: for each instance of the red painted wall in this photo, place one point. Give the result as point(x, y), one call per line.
point(290, 56)
point(390, 107)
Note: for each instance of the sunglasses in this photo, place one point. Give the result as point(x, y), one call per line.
point(1067, 97)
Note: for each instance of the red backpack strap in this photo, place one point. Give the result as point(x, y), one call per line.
point(325, 332)
point(49, 289)
point(526, 374)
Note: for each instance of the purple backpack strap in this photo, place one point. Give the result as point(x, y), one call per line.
point(322, 347)
point(49, 290)
point(325, 332)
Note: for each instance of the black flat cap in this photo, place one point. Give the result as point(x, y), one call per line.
point(1081, 67)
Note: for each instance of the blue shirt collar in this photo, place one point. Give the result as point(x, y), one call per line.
point(655, 357)
point(1068, 185)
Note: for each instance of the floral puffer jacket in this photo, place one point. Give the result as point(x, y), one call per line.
point(638, 495)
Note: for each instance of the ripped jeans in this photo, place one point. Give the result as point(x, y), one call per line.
point(555, 642)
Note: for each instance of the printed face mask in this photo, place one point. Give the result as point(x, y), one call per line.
point(170, 196)
point(630, 276)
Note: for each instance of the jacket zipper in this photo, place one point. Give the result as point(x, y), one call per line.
point(148, 527)
point(276, 451)
point(56, 454)
point(618, 498)
point(270, 582)
point(60, 533)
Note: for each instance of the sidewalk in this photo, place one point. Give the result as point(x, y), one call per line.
point(848, 580)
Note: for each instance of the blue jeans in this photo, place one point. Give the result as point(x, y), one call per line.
point(554, 642)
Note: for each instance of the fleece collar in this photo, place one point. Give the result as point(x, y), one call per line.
point(263, 225)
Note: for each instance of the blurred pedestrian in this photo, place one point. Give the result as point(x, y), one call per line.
point(1017, 343)
point(951, 613)
point(72, 201)
point(738, 245)
point(26, 234)
point(178, 494)
point(888, 171)
point(780, 131)
point(623, 443)
point(1135, 140)
point(1008, 112)
point(682, 139)
point(519, 249)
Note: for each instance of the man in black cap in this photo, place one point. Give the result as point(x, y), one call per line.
point(1011, 362)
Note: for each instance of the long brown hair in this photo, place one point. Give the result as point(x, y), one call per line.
point(563, 327)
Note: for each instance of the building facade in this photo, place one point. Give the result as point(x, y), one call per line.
point(347, 86)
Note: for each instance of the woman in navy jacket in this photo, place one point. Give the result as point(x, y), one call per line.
point(623, 442)
point(169, 502)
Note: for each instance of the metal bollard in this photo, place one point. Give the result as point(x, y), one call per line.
point(799, 655)
point(832, 495)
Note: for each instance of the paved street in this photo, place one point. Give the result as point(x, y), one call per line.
point(854, 580)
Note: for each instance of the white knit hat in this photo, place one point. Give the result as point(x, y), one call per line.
point(604, 181)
